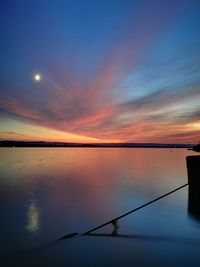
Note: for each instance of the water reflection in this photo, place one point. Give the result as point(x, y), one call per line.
point(80, 188)
point(33, 217)
point(115, 227)
point(172, 239)
point(194, 203)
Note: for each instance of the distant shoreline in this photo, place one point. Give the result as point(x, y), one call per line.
point(99, 145)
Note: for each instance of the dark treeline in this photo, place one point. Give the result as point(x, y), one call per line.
point(65, 144)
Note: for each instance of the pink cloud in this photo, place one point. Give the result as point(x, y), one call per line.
point(61, 102)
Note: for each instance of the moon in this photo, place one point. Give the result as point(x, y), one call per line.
point(37, 77)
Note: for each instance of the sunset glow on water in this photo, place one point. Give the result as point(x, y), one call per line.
point(47, 193)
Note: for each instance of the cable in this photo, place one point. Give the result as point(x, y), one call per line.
point(113, 221)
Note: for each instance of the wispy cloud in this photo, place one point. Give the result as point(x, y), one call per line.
point(62, 102)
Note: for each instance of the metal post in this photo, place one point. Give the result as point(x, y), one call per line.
point(193, 169)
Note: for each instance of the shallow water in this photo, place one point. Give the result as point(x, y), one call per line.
point(46, 193)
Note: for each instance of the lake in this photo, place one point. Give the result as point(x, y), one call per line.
point(46, 193)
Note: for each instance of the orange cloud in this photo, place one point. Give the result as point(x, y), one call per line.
point(92, 111)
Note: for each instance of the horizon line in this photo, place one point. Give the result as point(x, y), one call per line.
point(95, 143)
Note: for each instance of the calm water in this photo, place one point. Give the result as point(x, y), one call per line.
point(46, 193)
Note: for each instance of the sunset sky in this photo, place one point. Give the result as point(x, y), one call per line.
point(111, 70)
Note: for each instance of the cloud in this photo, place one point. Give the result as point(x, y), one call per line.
point(161, 98)
point(15, 134)
point(63, 102)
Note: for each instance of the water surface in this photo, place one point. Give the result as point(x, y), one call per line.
point(46, 193)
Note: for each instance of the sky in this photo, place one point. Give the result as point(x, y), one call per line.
point(111, 70)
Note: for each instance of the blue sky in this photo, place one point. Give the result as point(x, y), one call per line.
point(111, 70)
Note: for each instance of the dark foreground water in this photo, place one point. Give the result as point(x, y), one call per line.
point(46, 193)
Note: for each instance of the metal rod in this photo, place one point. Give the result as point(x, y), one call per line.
point(134, 210)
